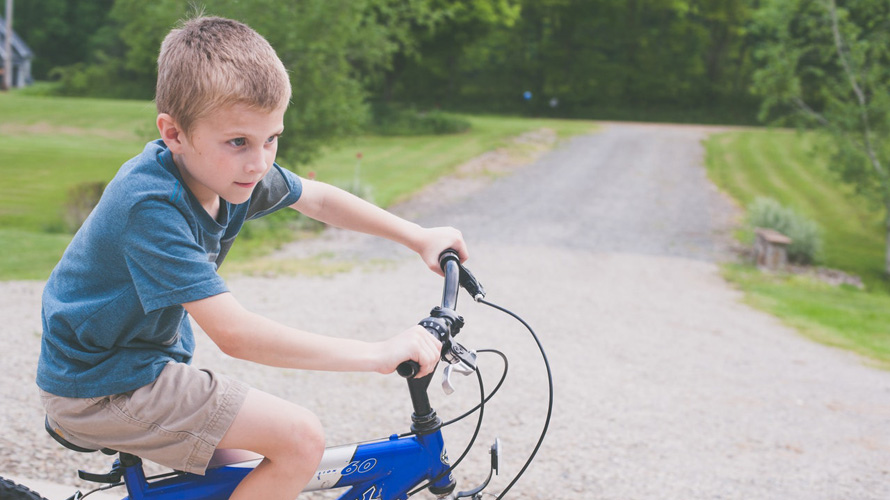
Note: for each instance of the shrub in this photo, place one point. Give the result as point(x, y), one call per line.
point(82, 199)
point(805, 234)
point(393, 120)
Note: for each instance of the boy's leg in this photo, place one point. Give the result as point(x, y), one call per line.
point(290, 438)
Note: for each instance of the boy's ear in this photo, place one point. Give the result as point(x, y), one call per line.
point(171, 133)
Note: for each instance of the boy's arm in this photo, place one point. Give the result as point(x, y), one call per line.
point(339, 208)
point(246, 335)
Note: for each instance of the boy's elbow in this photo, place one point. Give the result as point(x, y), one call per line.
point(229, 340)
point(224, 321)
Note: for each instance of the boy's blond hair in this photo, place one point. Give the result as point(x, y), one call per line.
point(212, 62)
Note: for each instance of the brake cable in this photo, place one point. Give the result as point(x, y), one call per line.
point(531, 457)
point(475, 289)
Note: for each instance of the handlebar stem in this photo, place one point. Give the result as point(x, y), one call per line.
point(424, 418)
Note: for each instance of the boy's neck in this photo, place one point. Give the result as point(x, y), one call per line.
point(209, 200)
point(213, 208)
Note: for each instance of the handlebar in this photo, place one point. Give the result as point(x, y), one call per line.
point(443, 322)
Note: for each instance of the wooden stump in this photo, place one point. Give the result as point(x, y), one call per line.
point(770, 249)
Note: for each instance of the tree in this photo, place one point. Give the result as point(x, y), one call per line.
point(434, 37)
point(59, 32)
point(827, 66)
point(330, 47)
point(593, 56)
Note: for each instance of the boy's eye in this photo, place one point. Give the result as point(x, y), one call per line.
point(238, 142)
point(271, 139)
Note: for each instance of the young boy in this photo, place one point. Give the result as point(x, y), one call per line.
point(113, 368)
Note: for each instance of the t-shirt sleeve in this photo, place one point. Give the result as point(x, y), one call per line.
point(167, 265)
point(279, 188)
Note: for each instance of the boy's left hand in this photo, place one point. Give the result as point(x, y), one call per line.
point(433, 241)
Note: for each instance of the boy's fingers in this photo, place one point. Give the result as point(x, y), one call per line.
point(430, 349)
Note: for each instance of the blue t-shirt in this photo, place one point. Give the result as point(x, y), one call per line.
point(112, 313)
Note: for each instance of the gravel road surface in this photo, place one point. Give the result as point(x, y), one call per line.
point(667, 385)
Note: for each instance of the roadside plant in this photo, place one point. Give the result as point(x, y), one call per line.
point(82, 199)
point(805, 234)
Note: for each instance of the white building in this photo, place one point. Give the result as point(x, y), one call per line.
point(21, 58)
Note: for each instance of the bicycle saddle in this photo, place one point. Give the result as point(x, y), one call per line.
point(72, 443)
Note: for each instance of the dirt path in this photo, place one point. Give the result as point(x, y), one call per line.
point(667, 386)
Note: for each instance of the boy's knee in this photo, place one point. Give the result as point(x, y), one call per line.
point(314, 439)
point(305, 437)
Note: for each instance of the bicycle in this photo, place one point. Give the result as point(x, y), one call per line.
point(387, 469)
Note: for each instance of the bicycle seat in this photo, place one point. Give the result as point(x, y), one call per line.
point(72, 443)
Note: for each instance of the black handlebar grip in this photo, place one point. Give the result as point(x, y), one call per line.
point(408, 369)
point(446, 255)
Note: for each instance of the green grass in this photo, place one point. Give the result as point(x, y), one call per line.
point(50, 144)
point(780, 164)
point(28, 255)
point(840, 316)
point(783, 165)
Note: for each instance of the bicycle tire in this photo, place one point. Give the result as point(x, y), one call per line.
point(13, 491)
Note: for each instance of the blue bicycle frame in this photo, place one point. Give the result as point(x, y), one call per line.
point(383, 470)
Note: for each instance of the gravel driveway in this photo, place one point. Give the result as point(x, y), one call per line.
point(667, 385)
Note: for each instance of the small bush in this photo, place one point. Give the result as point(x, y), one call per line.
point(82, 199)
point(39, 89)
point(805, 234)
point(392, 120)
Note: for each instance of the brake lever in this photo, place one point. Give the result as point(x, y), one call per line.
point(460, 360)
point(461, 368)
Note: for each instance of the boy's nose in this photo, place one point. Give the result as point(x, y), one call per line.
point(256, 162)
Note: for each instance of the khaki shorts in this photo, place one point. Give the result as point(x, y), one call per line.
point(177, 421)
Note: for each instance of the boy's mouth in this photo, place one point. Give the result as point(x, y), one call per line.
point(246, 185)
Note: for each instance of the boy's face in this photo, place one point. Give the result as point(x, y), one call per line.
point(227, 153)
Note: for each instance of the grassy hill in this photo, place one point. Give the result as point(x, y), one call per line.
point(783, 165)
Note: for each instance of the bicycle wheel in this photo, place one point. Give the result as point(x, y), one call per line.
point(12, 491)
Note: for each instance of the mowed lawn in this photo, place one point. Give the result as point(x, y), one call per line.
point(783, 165)
point(50, 145)
point(787, 166)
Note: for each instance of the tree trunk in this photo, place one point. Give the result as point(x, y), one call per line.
point(887, 248)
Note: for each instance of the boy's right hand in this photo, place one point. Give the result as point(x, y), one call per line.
point(414, 344)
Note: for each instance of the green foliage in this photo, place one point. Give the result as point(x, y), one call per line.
point(781, 164)
point(599, 58)
point(827, 66)
point(82, 199)
point(682, 60)
point(805, 234)
point(61, 32)
point(329, 47)
point(393, 120)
